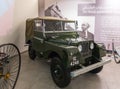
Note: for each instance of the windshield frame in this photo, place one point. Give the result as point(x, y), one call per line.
point(62, 27)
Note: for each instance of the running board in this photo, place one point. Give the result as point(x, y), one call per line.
point(89, 68)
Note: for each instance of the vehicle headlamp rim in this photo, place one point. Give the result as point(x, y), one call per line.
point(80, 48)
point(91, 45)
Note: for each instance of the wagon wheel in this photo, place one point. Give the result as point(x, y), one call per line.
point(10, 62)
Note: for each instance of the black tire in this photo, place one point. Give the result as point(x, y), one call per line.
point(60, 74)
point(31, 52)
point(97, 70)
point(10, 60)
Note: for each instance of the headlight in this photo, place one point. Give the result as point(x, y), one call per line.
point(91, 45)
point(80, 48)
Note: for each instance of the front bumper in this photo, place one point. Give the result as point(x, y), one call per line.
point(89, 68)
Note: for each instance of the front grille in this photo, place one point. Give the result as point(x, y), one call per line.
point(85, 47)
point(86, 51)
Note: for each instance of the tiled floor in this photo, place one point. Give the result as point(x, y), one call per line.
point(36, 75)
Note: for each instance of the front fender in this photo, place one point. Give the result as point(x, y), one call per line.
point(52, 50)
point(99, 50)
point(102, 49)
point(61, 53)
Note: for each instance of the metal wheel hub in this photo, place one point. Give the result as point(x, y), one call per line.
point(7, 76)
point(58, 72)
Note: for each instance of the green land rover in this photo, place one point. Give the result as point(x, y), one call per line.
point(58, 40)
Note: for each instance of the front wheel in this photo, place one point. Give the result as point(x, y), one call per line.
point(60, 74)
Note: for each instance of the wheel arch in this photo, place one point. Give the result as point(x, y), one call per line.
point(61, 55)
point(54, 54)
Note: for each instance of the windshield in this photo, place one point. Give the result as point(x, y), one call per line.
point(68, 26)
point(59, 26)
point(65, 29)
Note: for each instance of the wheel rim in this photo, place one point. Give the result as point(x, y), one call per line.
point(58, 73)
point(10, 61)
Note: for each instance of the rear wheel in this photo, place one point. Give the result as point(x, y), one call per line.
point(97, 70)
point(31, 52)
point(60, 74)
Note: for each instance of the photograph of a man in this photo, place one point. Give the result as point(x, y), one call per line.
point(85, 33)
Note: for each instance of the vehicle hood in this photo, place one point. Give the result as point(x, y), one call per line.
point(67, 41)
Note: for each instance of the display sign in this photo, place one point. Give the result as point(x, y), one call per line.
point(107, 20)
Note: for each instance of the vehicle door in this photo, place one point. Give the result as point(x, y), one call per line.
point(38, 39)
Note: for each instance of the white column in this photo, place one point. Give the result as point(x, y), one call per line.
point(41, 7)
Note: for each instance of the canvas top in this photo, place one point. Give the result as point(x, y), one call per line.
point(52, 18)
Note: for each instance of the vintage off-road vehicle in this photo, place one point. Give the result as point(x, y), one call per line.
point(58, 40)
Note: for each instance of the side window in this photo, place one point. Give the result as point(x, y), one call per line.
point(38, 25)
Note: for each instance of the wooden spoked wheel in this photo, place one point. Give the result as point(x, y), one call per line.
point(10, 63)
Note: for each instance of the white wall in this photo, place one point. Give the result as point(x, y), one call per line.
point(41, 7)
point(23, 9)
